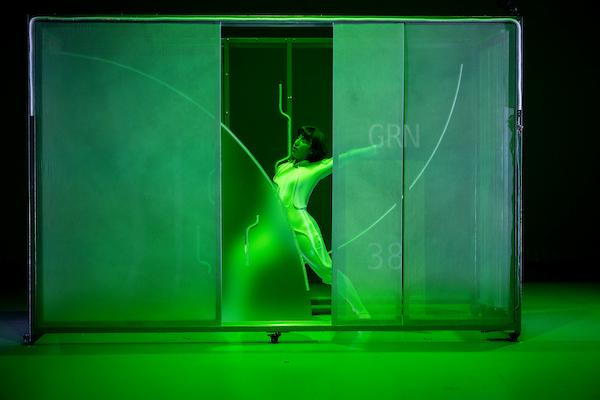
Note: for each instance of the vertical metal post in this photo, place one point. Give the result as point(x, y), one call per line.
point(31, 335)
point(226, 83)
point(517, 274)
point(288, 79)
point(403, 166)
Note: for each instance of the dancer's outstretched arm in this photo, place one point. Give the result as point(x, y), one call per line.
point(361, 152)
point(325, 166)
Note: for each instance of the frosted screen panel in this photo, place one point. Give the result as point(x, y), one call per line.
point(458, 187)
point(127, 121)
point(368, 92)
point(263, 273)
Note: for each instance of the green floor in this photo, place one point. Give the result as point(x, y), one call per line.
point(558, 357)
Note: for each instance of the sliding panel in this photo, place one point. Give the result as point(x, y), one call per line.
point(458, 188)
point(128, 173)
point(263, 273)
point(496, 152)
point(368, 91)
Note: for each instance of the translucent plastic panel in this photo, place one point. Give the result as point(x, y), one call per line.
point(458, 188)
point(368, 91)
point(127, 121)
point(263, 276)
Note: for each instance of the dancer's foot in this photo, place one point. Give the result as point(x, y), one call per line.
point(362, 314)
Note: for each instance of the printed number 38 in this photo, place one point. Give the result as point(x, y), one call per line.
point(392, 257)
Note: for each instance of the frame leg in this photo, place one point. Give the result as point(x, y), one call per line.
point(30, 339)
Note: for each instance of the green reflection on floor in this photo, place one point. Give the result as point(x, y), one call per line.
point(557, 357)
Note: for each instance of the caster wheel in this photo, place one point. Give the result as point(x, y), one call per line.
point(514, 336)
point(274, 337)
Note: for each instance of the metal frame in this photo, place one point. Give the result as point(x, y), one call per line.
point(274, 330)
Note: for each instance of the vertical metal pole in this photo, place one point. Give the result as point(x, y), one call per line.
point(223, 48)
point(403, 165)
point(517, 272)
point(31, 335)
point(226, 83)
point(288, 86)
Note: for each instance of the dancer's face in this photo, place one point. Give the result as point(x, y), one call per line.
point(301, 148)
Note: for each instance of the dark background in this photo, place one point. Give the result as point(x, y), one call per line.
point(560, 108)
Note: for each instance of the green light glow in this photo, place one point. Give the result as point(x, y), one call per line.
point(558, 357)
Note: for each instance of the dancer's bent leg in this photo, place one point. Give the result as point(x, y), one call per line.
point(318, 259)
